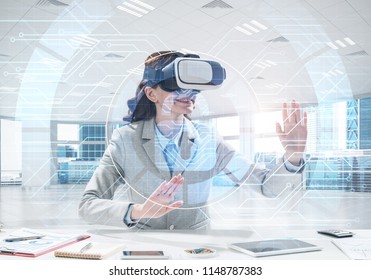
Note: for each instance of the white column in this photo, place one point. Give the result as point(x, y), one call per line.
point(37, 161)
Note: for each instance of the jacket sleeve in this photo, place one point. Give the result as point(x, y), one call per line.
point(273, 182)
point(97, 205)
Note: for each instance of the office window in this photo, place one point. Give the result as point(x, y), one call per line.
point(266, 140)
point(338, 150)
point(229, 129)
point(92, 132)
point(68, 132)
point(79, 149)
point(348, 168)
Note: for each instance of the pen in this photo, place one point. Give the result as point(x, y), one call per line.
point(86, 247)
point(14, 239)
point(10, 252)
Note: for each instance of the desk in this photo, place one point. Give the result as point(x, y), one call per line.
point(174, 242)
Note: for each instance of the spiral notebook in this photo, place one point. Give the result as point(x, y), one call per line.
point(89, 250)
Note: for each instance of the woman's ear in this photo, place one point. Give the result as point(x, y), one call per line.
point(151, 94)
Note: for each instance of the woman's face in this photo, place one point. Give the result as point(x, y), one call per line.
point(175, 103)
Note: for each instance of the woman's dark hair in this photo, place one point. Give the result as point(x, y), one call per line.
point(145, 109)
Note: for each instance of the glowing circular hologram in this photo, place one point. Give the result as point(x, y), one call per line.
point(203, 184)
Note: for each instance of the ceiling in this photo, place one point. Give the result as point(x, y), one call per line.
point(81, 60)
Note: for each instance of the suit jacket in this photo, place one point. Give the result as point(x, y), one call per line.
point(134, 159)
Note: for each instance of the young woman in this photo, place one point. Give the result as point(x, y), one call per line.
point(167, 162)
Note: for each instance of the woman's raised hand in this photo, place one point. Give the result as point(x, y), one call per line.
point(158, 203)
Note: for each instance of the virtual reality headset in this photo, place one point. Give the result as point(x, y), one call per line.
point(188, 71)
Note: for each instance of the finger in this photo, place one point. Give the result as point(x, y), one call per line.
point(292, 110)
point(168, 189)
point(176, 204)
point(168, 185)
point(284, 112)
point(278, 129)
point(175, 188)
point(305, 119)
point(160, 188)
point(173, 206)
point(297, 112)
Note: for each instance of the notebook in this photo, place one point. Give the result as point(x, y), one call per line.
point(28, 242)
point(89, 250)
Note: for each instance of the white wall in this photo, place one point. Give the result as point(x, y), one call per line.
point(11, 145)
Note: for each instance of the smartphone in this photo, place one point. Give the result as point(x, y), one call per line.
point(143, 255)
point(336, 233)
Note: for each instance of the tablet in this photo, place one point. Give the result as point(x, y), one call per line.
point(143, 255)
point(274, 247)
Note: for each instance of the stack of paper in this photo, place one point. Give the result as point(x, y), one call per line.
point(355, 249)
point(32, 243)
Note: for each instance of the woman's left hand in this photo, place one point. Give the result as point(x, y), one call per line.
point(293, 134)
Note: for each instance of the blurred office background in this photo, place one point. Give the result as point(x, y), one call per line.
point(67, 68)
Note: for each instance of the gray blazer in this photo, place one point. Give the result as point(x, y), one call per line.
point(134, 159)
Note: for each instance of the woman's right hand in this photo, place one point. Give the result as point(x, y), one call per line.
point(157, 204)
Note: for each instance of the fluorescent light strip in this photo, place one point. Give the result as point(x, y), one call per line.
point(242, 30)
point(258, 24)
point(135, 7)
point(332, 73)
point(339, 72)
point(251, 28)
point(129, 11)
point(349, 41)
point(80, 42)
point(103, 84)
point(143, 4)
point(8, 89)
point(260, 66)
point(271, 62)
point(87, 39)
point(340, 43)
point(265, 64)
point(332, 46)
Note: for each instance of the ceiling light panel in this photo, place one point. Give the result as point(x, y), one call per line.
point(84, 40)
point(136, 8)
point(343, 43)
point(251, 28)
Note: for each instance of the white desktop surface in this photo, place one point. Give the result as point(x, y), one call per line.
point(175, 242)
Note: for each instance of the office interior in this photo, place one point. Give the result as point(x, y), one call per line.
point(68, 67)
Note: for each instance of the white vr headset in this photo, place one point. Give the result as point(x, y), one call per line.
point(186, 72)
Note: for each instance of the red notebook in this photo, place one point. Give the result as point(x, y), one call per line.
point(33, 243)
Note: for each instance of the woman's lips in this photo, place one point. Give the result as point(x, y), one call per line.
point(185, 100)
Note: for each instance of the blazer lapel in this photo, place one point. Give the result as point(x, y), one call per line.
point(149, 145)
point(188, 147)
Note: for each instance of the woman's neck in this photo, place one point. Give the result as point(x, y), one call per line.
point(169, 127)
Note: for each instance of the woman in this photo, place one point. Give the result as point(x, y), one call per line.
point(167, 162)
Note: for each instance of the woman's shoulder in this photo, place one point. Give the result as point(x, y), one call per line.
point(128, 128)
